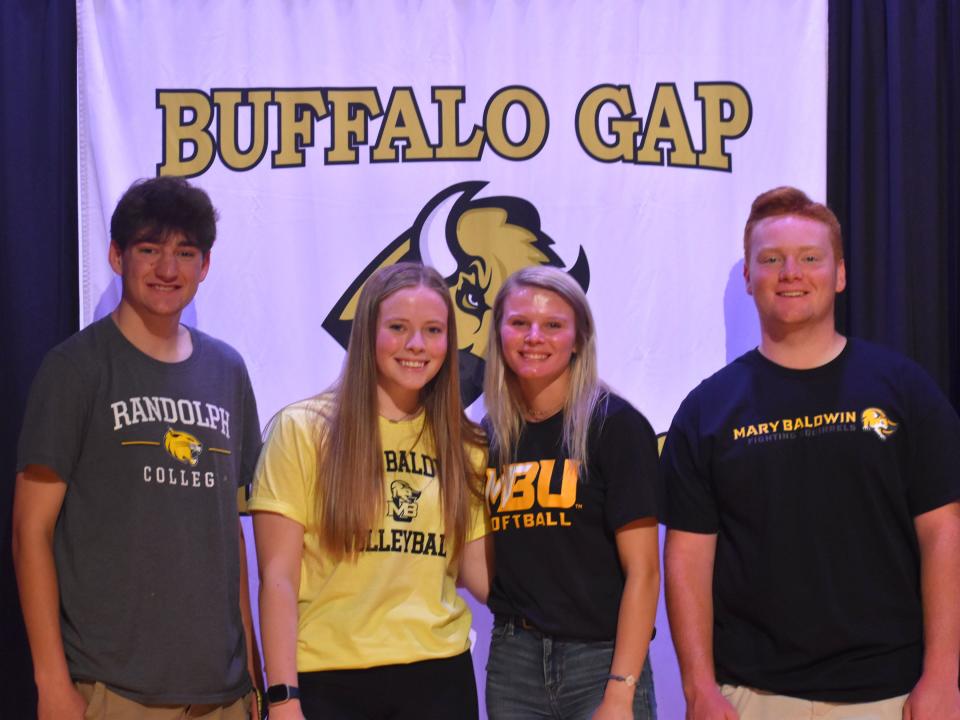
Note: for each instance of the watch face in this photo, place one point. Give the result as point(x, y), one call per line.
point(280, 693)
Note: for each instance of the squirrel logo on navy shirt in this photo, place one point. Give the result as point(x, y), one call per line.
point(876, 419)
point(403, 501)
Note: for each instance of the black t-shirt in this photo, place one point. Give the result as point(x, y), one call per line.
point(811, 480)
point(556, 554)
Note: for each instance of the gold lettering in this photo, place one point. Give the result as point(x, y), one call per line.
point(666, 123)
point(568, 485)
point(352, 109)
point(625, 128)
point(181, 134)
point(727, 113)
point(402, 122)
point(495, 121)
point(493, 487)
point(298, 110)
point(449, 100)
point(520, 491)
point(228, 104)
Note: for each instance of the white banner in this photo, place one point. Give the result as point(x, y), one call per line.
point(621, 140)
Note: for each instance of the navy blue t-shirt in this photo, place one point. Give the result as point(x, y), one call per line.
point(811, 480)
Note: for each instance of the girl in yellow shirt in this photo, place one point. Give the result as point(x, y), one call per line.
point(367, 510)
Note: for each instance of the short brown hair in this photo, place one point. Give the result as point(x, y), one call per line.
point(157, 206)
point(786, 200)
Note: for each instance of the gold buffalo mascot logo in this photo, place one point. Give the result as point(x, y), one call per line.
point(483, 241)
point(182, 446)
point(403, 501)
point(876, 419)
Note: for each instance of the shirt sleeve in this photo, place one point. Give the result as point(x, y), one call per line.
point(287, 470)
point(57, 413)
point(250, 435)
point(689, 502)
point(627, 458)
point(934, 447)
point(479, 517)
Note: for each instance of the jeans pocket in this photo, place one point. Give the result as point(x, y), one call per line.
point(499, 630)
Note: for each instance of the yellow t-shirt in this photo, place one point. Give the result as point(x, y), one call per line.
point(397, 603)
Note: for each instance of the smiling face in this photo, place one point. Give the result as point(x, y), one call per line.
point(793, 274)
point(411, 347)
point(538, 334)
point(160, 274)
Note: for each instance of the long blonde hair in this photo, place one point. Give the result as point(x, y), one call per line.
point(350, 498)
point(502, 396)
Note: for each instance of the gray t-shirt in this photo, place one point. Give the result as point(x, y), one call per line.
point(146, 544)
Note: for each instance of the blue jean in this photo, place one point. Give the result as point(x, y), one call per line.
point(531, 675)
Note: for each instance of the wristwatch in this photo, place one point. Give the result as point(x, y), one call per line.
point(277, 694)
point(628, 680)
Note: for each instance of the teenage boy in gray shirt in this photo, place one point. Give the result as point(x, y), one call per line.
point(138, 433)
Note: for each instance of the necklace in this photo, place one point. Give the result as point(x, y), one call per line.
point(537, 415)
point(403, 418)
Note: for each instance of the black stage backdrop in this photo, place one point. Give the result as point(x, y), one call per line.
point(38, 256)
point(893, 179)
point(893, 175)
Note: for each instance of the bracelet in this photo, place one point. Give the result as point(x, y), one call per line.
point(628, 680)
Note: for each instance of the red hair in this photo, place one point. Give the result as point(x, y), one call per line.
point(786, 200)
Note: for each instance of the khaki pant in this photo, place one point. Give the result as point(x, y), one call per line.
point(104, 704)
point(759, 705)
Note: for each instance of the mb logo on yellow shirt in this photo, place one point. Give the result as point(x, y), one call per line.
point(403, 501)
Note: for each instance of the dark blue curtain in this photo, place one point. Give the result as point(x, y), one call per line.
point(893, 178)
point(894, 175)
point(38, 256)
